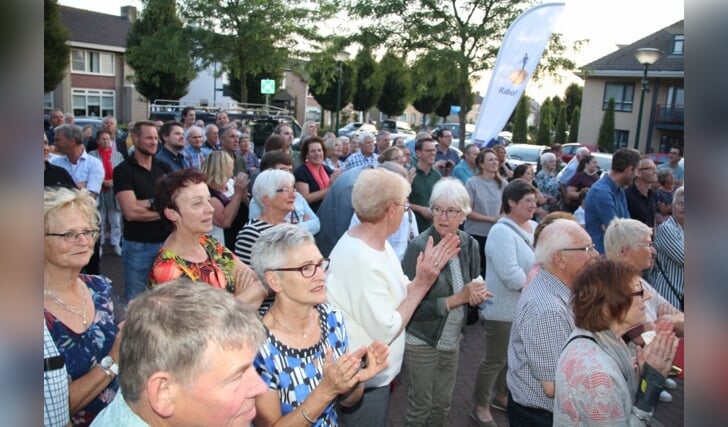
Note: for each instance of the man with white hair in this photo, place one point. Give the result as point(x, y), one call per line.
point(193, 152)
point(212, 139)
point(543, 322)
point(570, 169)
point(365, 156)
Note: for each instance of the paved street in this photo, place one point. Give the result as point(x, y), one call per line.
point(471, 352)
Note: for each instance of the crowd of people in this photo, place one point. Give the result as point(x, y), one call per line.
point(295, 288)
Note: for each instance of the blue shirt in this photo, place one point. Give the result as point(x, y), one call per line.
point(175, 161)
point(194, 156)
point(568, 172)
point(604, 202)
point(88, 170)
point(463, 172)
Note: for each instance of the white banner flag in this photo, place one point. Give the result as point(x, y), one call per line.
point(518, 57)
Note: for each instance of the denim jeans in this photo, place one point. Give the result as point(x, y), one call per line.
point(137, 258)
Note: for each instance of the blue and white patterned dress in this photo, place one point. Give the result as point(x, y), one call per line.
point(82, 351)
point(295, 373)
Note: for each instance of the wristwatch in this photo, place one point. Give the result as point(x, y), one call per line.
point(109, 366)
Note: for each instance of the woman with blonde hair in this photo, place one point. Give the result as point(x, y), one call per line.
point(77, 308)
point(218, 166)
point(333, 152)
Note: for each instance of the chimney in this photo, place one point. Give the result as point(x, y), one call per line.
point(129, 12)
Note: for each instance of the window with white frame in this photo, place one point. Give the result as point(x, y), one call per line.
point(623, 94)
point(48, 101)
point(678, 44)
point(93, 102)
point(92, 62)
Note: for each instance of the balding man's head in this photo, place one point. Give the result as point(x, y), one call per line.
point(563, 248)
point(582, 152)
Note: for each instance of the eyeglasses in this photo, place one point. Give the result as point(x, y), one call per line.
point(72, 236)
point(450, 213)
point(286, 190)
point(405, 206)
point(588, 249)
point(640, 293)
point(645, 245)
point(308, 270)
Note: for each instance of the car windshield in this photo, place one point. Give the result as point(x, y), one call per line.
point(528, 154)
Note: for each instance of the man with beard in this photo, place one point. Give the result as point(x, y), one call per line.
point(605, 199)
point(173, 139)
point(134, 181)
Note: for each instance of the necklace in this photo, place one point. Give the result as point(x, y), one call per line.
point(78, 311)
point(303, 334)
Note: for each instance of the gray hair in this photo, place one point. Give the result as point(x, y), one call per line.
point(227, 127)
point(547, 157)
point(582, 151)
point(170, 327)
point(275, 245)
point(393, 166)
point(662, 175)
point(56, 199)
point(364, 135)
point(453, 191)
point(680, 192)
point(210, 127)
point(268, 182)
point(70, 131)
point(554, 237)
point(343, 139)
point(189, 131)
point(623, 232)
point(109, 119)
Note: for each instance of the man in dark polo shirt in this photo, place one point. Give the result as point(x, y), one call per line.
point(134, 181)
point(425, 178)
point(641, 199)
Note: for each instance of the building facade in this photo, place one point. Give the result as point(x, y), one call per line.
point(96, 82)
point(619, 76)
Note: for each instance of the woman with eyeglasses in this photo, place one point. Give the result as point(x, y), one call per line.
point(306, 361)
point(77, 308)
point(630, 241)
point(366, 283)
point(182, 200)
point(510, 258)
point(597, 382)
point(433, 335)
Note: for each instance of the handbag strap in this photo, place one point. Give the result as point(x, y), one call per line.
point(508, 223)
point(578, 336)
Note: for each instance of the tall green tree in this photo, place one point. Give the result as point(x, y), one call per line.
point(397, 85)
point(368, 83)
point(545, 123)
point(250, 36)
point(574, 125)
point(556, 103)
point(520, 125)
point(560, 136)
point(159, 51)
point(443, 109)
point(56, 52)
point(466, 34)
point(572, 98)
point(323, 74)
point(606, 129)
point(429, 84)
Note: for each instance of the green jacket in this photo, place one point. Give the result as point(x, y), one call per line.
point(429, 318)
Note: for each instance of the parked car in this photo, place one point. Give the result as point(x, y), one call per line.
point(524, 153)
point(356, 128)
point(604, 160)
point(660, 158)
point(569, 150)
point(397, 128)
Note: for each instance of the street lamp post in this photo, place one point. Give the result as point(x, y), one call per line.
point(645, 56)
point(340, 57)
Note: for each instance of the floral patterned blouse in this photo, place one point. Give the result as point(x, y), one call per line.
point(216, 270)
point(82, 351)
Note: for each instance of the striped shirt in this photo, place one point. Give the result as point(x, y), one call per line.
point(542, 324)
point(55, 386)
point(670, 247)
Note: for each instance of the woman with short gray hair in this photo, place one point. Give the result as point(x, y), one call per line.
point(545, 180)
point(306, 362)
point(434, 333)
